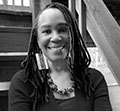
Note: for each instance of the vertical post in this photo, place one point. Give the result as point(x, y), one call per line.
point(81, 9)
point(4, 3)
point(13, 4)
point(71, 6)
point(35, 9)
point(22, 3)
point(44, 3)
point(38, 5)
point(83, 20)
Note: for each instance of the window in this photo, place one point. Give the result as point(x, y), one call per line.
point(16, 5)
point(1, 2)
point(10, 2)
point(26, 2)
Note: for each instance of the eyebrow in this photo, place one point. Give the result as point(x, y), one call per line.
point(59, 24)
point(63, 24)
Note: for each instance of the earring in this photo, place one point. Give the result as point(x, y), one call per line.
point(41, 61)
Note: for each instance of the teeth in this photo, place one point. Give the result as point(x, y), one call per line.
point(57, 48)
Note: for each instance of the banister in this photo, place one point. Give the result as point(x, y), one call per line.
point(105, 32)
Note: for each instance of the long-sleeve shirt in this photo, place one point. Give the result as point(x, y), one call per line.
point(20, 91)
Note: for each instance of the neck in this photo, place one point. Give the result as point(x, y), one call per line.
point(58, 66)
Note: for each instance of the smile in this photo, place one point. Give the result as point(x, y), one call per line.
point(57, 48)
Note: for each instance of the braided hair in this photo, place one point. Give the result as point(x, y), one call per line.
point(79, 61)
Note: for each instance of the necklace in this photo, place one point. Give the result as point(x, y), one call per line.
point(65, 91)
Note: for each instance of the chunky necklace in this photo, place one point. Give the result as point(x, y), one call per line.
point(65, 91)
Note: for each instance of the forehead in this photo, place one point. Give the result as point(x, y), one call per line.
point(51, 15)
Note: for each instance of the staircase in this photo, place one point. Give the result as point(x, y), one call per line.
point(98, 20)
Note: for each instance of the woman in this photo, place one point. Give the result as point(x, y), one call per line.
point(56, 76)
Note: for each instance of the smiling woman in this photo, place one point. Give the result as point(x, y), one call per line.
point(56, 75)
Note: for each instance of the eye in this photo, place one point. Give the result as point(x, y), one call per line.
point(46, 31)
point(63, 29)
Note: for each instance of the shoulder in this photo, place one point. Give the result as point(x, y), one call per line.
point(18, 77)
point(20, 93)
point(94, 73)
point(18, 83)
point(97, 77)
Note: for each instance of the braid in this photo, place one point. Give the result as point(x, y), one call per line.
point(80, 60)
point(33, 75)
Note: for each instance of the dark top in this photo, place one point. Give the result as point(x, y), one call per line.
point(20, 91)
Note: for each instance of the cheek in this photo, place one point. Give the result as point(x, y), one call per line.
point(42, 42)
point(39, 42)
point(67, 41)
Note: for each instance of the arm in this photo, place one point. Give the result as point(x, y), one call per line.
point(19, 99)
point(101, 95)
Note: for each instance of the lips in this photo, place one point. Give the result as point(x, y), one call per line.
point(57, 48)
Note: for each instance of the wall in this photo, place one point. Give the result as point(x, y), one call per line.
point(15, 30)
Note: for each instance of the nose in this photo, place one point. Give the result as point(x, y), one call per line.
point(56, 37)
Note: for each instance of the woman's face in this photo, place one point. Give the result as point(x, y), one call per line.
point(53, 34)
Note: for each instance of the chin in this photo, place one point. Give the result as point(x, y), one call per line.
point(57, 58)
